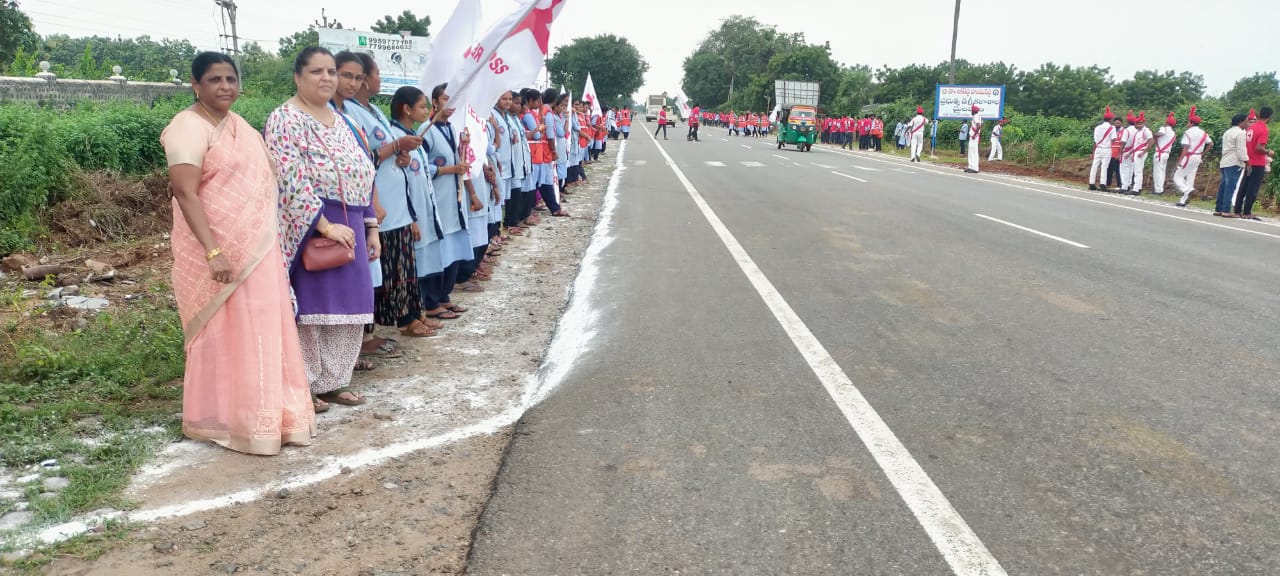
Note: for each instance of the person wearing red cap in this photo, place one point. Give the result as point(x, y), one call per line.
point(975, 136)
point(997, 149)
point(1127, 137)
point(1259, 162)
point(1103, 133)
point(915, 133)
point(1165, 138)
point(1195, 142)
point(1141, 144)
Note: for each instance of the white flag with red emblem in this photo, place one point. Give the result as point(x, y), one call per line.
point(507, 56)
point(589, 95)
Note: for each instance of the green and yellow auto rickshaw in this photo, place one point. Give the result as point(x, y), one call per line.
point(798, 127)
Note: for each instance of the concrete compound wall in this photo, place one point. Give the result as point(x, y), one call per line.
point(62, 93)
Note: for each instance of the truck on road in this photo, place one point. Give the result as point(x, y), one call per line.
point(798, 121)
point(653, 105)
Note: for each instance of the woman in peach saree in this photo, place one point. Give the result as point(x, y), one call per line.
point(245, 386)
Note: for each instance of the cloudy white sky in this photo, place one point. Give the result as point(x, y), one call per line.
point(1220, 40)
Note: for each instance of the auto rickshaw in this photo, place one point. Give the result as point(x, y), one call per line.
point(798, 127)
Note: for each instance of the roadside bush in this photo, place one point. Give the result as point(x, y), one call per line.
point(43, 152)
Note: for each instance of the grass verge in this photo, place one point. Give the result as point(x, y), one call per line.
point(99, 400)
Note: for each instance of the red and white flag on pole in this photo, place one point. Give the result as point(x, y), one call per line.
point(589, 95)
point(507, 56)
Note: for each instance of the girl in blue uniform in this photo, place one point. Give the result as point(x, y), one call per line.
point(455, 244)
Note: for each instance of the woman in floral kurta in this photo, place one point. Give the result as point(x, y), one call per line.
point(326, 186)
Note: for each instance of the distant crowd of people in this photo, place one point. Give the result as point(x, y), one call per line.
point(292, 244)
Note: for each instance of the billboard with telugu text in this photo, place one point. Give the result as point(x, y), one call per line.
point(400, 60)
point(955, 101)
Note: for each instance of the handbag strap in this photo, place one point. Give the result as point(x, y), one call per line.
point(342, 195)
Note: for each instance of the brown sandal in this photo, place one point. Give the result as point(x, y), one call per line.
point(417, 329)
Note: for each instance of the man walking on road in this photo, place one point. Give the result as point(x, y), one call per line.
point(1165, 138)
point(694, 120)
point(1195, 142)
point(1235, 158)
point(997, 149)
point(1259, 159)
point(975, 136)
point(662, 123)
point(1103, 133)
point(915, 133)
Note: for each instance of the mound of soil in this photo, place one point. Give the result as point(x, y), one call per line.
point(113, 208)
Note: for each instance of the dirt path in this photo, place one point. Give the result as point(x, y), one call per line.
point(391, 487)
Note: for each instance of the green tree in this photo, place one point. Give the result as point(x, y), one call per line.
point(1153, 90)
point(1052, 90)
point(265, 74)
point(16, 32)
point(87, 68)
point(803, 62)
point(24, 64)
point(294, 43)
point(915, 82)
point(855, 90)
point(1255, 91)
point(616, 66)
point(406, 21)
point(731, 56)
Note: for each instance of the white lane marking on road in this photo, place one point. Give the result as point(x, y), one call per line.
point(752, 164)
point(905, 171)
point(798, 165)
point(745, 146)
point(951, 535)
point(1033, 231)
point(988, 179)
point(866, 168)
point(641, 162)
point(724, 139)
point(824, 166)
point(848, 176)
point(780, 156)
point(715, 163)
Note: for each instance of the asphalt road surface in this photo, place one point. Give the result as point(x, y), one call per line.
point(840, 363)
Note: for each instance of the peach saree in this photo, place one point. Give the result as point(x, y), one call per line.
point(245, 386)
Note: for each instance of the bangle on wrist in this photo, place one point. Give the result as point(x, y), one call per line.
point(325, 231)
point(213, 254)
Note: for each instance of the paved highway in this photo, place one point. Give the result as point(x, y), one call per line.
point(840, 363)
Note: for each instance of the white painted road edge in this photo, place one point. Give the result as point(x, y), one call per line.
point(572, 338)
point(848, 176)
point(951, 535)
point(1036, 232)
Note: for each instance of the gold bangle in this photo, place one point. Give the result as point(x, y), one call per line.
point(325, 232)
point(212, 254)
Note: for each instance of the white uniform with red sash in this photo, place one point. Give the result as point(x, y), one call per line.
point(1194, 143)
point(1165, 138)
point(975, 136)
point(1127, 138)
point(1136, 157)
point(915, 134)
point(1102, 136)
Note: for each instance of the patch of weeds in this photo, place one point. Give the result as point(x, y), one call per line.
point(98, 400)
point(85, 548)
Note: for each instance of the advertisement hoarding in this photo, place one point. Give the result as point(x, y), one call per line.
point(955, 101)
point(400, 60)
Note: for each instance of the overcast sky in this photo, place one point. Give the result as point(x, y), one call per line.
point(1220, 40)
